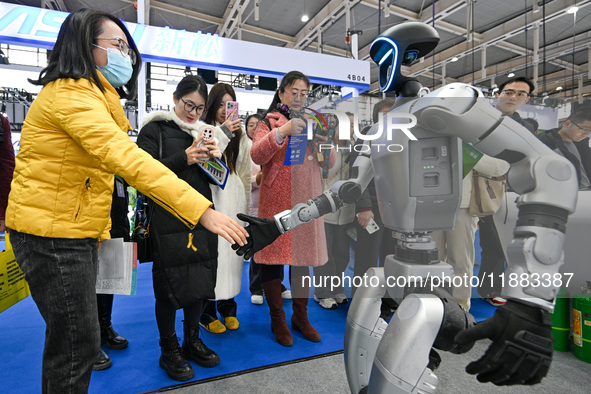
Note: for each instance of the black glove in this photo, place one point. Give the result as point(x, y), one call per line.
point(262, 232)
point(522, 346)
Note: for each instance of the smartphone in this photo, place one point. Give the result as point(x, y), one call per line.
point(372, 226)
point(232, 110)
point(207, 133)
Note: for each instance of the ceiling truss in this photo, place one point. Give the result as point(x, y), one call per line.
point(235, 21)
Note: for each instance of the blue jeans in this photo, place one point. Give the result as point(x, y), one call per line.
point(62, 277)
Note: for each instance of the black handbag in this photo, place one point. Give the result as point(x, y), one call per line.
point(141, 231)
point(143, 215)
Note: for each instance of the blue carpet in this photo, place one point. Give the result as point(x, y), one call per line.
point(136, 369)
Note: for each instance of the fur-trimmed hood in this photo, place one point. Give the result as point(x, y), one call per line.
point(193, 129)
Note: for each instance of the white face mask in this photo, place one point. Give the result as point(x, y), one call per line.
point(118, 70)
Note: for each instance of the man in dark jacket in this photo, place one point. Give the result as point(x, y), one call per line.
point(572, 141)
point(511, 95)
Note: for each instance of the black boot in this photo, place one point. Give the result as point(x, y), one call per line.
point(113, 340)
point(195, 349)
point(173, 361)
point(102, 361)
point(109, 337)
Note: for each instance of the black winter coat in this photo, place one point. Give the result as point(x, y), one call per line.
point(185, 261)
point(553, 140)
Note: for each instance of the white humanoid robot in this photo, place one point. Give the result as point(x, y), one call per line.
point(419, 189)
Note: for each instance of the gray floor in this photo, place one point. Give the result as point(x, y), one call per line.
point(327, 375)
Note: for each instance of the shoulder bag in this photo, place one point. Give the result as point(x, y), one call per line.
point(487, 194)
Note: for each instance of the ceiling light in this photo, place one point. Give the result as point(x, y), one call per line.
point(305, 18)
point(256, 11)
point(559, 88)
point(510, 75)
point(572, 10)
point(454, 59)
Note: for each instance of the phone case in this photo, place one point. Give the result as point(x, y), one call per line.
point(207, 132)
point(372, 226)
point(232, 110)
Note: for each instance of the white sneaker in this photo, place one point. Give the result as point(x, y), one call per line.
point(326, 303)
point(256, 299)
point(286, 294)
point(341, 298)
point(496, 301)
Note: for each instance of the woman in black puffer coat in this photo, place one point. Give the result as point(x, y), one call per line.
point(185, 261)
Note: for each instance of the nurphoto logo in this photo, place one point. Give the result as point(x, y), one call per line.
point(386, 125)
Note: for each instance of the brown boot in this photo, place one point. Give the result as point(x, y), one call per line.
point(272, 291)
point(299, 320)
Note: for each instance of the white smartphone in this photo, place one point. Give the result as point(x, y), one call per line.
point(372, 226)
point(232, 110)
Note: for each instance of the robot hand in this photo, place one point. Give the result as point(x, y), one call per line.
point(262, 232)
point(522, 346)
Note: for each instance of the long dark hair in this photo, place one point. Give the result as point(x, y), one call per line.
point(288, 79)
point(216, 94)
point(190, 84)
point(71, 56)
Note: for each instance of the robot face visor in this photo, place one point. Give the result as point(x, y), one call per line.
point(384, 52)
point(401, 45)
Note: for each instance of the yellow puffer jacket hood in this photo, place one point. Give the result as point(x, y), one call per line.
point(73, 141)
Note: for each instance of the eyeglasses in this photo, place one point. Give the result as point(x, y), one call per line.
point(301, 94)
point(584, 130)
point(511, 93)
point(123, 48)
point(190, 107)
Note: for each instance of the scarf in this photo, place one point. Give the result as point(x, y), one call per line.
point(193, 129)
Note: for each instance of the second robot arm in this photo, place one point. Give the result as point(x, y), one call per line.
point(546, 182)
point(342, 192)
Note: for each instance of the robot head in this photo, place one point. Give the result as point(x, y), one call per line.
point(400, 46)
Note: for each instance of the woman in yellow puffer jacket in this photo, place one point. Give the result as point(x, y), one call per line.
point(73, 141)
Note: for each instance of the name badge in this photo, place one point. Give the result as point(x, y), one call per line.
point(120, 188)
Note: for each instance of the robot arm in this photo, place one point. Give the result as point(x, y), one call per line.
point(342, 192)
point(521, 351)
point(546, 181)
point(305, 212)
point(264, 232)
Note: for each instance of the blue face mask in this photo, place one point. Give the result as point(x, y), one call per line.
point(118, 70)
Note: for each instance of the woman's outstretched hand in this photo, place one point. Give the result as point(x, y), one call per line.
point(221, 224)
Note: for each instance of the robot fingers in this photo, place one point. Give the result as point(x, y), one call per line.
point(521, 352)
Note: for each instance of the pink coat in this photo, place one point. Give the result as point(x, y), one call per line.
point(281, 188)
